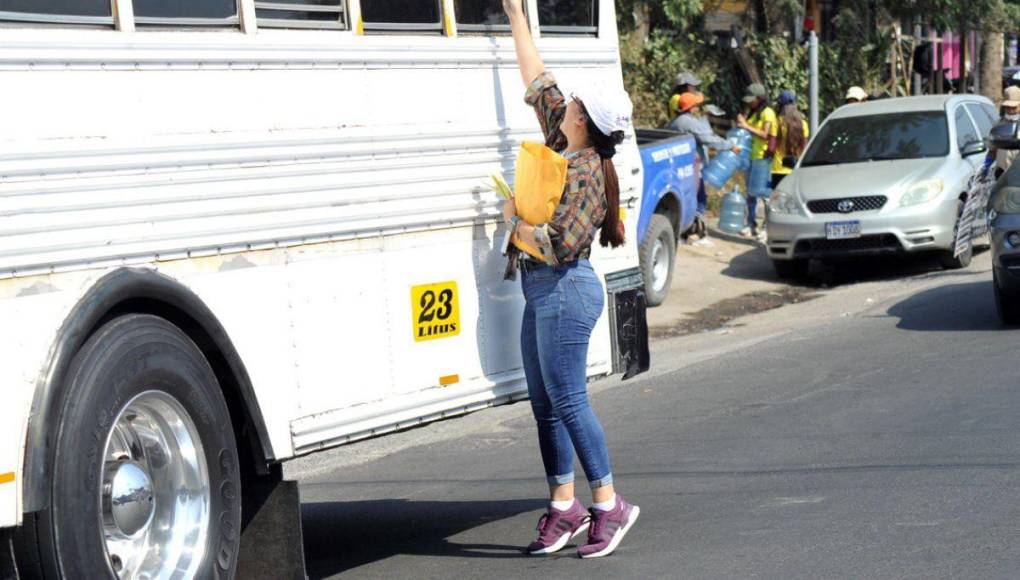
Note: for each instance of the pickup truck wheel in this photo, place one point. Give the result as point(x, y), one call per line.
point(946, 257)
point(658, 252)
point(1007, 304)
point(791, 269)
point(145, 480)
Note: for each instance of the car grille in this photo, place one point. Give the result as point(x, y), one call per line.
point(863, 245)
point(865, 203)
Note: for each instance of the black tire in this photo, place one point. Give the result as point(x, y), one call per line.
point(128, 356)
point(946, 257)
point(795, 269)
point(1007, 304)
point(661, 231)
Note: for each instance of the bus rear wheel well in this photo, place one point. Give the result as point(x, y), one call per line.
point(141, 291)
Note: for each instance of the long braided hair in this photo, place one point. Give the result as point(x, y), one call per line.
point(612, 232)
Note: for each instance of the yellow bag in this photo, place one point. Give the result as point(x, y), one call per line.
point(539, 178)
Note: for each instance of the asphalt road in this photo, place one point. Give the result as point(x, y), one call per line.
point(873, 442)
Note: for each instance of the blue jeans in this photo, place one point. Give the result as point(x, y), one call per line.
point(562, 304)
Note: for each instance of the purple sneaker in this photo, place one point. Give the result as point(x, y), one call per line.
point(556, 528)
point(608, 528)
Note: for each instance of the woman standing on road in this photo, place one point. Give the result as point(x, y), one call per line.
point(564, 299)
point(762, 123)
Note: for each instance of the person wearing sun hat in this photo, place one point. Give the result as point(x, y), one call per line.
point(1010, 108)
point(691, 121)
point(564, 299)
point(762, 123)
point(855, 95)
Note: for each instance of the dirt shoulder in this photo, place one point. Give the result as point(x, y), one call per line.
point(716, 281)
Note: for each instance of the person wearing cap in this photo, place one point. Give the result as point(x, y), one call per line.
point(855, 95)
point(792, 135)
point(686, 82)
point(690, 121)
point(763, 126)
point(1010, 114)
point(564, 299)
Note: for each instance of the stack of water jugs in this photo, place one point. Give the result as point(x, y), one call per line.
point(720, 170)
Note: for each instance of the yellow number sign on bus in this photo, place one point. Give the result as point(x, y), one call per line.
point(435, 311)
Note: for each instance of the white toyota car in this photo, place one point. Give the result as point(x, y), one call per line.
point(889, 176)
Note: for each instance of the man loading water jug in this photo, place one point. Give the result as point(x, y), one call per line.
point(691, 121)
point(763, 124)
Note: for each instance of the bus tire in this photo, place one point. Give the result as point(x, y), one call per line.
point(658, 255)
point(145, 477)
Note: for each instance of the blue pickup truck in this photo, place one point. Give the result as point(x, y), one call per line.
point(672, 174)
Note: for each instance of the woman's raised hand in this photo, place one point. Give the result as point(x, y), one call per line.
point(513, 6)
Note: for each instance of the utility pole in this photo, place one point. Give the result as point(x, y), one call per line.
point(813, 63)
point(917, 41)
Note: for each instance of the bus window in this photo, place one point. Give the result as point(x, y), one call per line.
point(301, 14)
point(568, 16)
point(405, 15)
point(186, 12)
point(481, 16)
point(57, 11)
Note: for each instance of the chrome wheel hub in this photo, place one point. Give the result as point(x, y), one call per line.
point(155, 496)
point(127, 497)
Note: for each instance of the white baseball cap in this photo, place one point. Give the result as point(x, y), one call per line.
point(610, 108)
point(857, 93)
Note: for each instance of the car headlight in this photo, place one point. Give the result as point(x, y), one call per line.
point(922, 191)
point(1006, 200)
point(783, 202)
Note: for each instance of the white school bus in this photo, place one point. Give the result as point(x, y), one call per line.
point(233, 232)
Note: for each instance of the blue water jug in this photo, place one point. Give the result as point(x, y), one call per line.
point(741, 138)
point(759, 181)
point(732, 213)
point(721, 169)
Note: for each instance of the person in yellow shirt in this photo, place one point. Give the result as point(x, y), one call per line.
point(789, 143)
point(762, 123)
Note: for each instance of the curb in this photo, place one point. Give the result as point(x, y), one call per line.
point(714, 232)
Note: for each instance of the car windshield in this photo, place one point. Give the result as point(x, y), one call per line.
point(879, 138)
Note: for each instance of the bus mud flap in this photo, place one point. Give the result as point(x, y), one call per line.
point(272, 545)
point(629, 322)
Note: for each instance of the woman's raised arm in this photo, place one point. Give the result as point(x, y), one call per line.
point(528, 59)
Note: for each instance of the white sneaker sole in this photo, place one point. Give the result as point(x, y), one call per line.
point(618, 537)
point(561, 542)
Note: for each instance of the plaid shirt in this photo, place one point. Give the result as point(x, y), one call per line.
point(569, 235)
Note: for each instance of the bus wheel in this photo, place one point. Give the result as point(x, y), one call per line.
point(145, 469)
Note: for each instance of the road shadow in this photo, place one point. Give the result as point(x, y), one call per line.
point(754, 264)
point(341, 536)
point(967, 307)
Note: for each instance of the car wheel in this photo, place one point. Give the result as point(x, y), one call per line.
point(946, 257)
point(791, 269)
point(1007, 304)
point(145, 480)
point(658, 253)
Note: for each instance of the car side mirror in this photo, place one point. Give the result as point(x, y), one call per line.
point(973, 148)
point(1004, 136)
point(789, 162)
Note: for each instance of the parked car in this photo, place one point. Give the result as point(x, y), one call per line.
point(672, 172)
point(1004, 220)
point(890, 176)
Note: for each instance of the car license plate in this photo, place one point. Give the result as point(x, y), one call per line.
point(842, 230)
